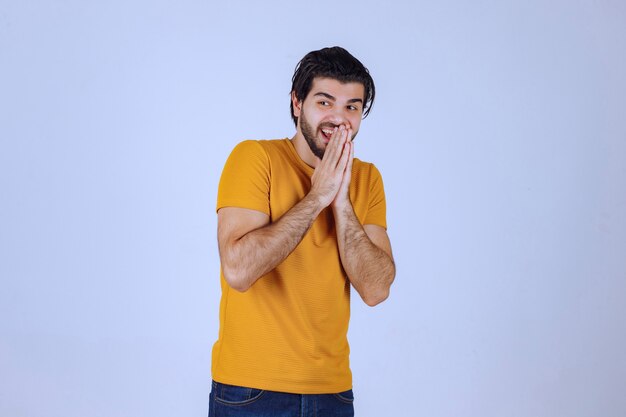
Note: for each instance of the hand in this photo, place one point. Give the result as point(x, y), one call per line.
point(329, 175)
point(343, 195)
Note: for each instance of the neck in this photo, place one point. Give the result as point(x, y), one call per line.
point(304, 151)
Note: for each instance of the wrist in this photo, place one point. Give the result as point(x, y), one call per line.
point(316, 201)
point(341, 205)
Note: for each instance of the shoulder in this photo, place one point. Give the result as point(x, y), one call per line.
point(365, 169)
point(264, 148)
point(248, 152)
point(248, 146)
point(274, 146)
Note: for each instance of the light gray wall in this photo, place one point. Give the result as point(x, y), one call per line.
point(499, 128)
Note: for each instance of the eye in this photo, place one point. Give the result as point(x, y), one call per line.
point(323, 103)
point(353, 108)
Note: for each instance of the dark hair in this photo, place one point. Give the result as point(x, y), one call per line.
point(335, 63)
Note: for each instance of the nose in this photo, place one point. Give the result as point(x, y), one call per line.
point(339, 116)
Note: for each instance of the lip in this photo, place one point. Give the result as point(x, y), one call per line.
point(324, 138)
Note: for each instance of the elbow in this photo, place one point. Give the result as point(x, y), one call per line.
point(238, 286)
point(374, 299)
point(235, 279)
point(376, 295)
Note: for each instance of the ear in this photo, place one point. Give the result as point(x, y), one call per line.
point(297, 105)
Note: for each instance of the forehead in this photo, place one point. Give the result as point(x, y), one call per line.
point(341, 91)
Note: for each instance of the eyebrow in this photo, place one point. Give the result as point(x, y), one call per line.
point(328, 96)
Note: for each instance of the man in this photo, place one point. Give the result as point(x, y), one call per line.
point(299, 220)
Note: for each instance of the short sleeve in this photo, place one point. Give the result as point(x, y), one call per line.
point(377, 206)
point(245, 180)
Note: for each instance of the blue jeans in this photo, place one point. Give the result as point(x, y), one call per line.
point(233, 401)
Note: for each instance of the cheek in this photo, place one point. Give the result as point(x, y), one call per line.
point(355, 123)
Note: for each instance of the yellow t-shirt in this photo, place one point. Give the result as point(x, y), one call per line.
point(288, 332)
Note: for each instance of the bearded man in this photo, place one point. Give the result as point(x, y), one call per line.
point(300, 222)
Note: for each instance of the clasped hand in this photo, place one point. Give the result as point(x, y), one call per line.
point(331, 179)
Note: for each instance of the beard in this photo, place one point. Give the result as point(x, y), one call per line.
point(316, 144)
point(311, 137)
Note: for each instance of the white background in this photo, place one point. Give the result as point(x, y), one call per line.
point(500, 131)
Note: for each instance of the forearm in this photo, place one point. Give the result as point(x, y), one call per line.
point(369, 268)
point(261, 250)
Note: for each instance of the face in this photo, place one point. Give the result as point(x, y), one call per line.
point(329, 104)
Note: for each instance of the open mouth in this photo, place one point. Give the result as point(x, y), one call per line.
point(327, 133)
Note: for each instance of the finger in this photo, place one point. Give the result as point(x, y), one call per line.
point(343, 137)
point(342, 145)
point(347, 173)
point(351, 158)
point(336, 133)
point(345, 156)
point(333, 148)
point(328, 154)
